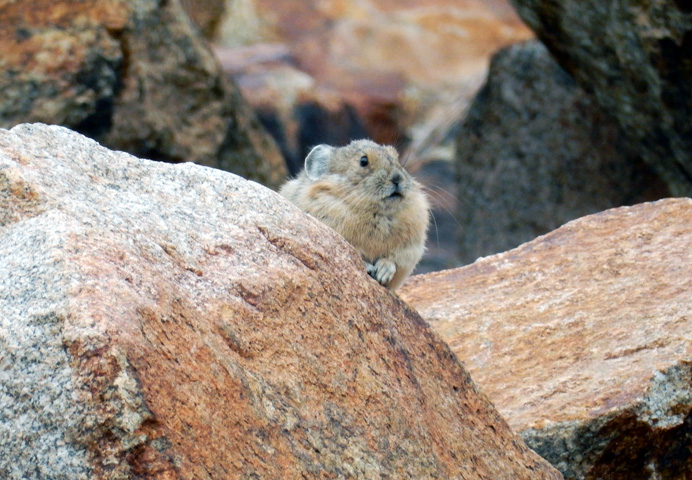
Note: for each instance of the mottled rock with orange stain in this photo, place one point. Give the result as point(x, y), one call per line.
point(582, 338)
point(166, 321)
point(134, 75)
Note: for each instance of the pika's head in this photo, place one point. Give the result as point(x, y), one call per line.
point(367, 169)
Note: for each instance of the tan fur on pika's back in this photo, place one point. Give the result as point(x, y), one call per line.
point(362, 191)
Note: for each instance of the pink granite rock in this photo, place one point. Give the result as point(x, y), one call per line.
point(179, 322)
point(582, 338)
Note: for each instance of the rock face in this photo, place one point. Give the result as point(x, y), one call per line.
point(636, 57)
point(134, 75)
point(168, 321)
point(582, 338)
point(536, 151)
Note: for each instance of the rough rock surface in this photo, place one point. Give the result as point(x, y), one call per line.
point(134, 75)
point(582, 338)
point(534, 152)
point(636, 57)
point(175, 321)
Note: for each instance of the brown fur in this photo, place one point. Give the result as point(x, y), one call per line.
point(388, 230)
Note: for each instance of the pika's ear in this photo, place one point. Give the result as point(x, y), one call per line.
point(317, 160)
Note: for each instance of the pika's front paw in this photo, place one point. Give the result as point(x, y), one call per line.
point(382, 270)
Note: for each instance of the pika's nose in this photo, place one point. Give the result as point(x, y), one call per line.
point(396, 179)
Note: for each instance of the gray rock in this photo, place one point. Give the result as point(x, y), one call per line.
point(636, 57)
point(536, 151)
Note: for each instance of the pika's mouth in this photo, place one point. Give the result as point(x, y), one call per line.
point(395, 190)
point(396, 195)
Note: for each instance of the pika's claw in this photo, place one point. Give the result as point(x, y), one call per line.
point(382, 270)
point(370, 268)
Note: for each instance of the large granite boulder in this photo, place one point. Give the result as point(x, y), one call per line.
point(636, 57)
point(136, 76)
point(582, 338)
point(176, 321)
point(536, 151)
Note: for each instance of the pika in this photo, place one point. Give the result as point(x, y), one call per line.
point(365, 194)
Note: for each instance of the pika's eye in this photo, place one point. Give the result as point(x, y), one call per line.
point(364, 161)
